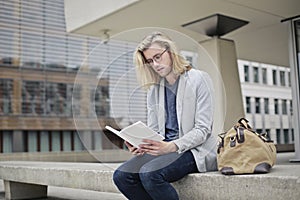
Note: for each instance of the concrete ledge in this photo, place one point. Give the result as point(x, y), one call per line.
point(282, 183)
point(89, 176)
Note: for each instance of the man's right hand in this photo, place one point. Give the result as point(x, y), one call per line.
point(134, 150)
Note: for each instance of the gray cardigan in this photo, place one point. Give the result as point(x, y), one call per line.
point(194, 105)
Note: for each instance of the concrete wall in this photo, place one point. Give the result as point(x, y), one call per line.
point(81, 156)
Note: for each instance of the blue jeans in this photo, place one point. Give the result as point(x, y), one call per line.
point(149, 177)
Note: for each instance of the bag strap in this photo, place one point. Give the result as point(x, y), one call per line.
point(244, 123)
point(221, 142)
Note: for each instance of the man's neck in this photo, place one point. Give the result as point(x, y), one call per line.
point(171, 78)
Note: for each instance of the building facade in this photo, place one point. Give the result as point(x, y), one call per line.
point(267, 99)
point(58, 90)
point(39, 66)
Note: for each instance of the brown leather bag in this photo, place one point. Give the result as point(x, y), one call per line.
point(243, 151)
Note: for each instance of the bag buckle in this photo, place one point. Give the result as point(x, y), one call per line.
point(232, 141)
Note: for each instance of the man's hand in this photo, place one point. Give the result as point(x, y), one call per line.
point(158, 147)
point(134, 150)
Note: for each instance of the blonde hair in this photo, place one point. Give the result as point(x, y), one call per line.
point(146, 76)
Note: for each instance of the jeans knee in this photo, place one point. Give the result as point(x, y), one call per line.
point(145, 176)
point(150, 179)
point(146, 180)
point(116, 177)
point(119, 177)
point(124, 178)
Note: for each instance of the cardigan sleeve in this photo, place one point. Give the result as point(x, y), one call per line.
point(152, 110)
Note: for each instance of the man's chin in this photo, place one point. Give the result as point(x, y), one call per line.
point(163, 75)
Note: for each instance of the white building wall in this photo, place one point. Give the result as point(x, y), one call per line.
point(277, 122)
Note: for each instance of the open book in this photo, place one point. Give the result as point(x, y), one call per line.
point(135, 133)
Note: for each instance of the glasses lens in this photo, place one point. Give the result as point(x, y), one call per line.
point(156, 58)
point(149, 61)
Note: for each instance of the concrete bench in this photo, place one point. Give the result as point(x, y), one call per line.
point(28, 180)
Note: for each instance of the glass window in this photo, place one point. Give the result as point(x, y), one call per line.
point(282, 78)
point(5, 96)
point(32, 141)
point(78, 145)
point(76, 98)
point(274, 74)
point(56, 102)
point(286, 136)
point(7, 141)
point(257, 105)
point(268, 133)
point(278, 136)
point(102, 100)
point(248, 104)
point(26, 98)
point(264, 76)
point(255, 75)
point(291, 107)
point(33, 97)
point(276, 106)
point(266, 105)
point(44, 141)
point(284, 107)
point(67, 144)
point(246, 73)
point(55, 141)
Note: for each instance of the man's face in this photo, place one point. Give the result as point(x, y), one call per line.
point(159, 59)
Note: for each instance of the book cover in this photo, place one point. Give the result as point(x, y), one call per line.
point(135, 133)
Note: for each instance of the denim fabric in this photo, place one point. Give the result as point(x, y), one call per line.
point(149, 177)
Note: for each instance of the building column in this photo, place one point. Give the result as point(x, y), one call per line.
point(228, 95)
point(294, 29)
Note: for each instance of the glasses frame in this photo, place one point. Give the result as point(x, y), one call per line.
point(156, 58)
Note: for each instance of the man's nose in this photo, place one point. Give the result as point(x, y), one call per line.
point(155, 63)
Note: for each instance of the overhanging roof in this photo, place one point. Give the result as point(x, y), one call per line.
point(264, 39)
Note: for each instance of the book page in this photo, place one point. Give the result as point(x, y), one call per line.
point(135, 133)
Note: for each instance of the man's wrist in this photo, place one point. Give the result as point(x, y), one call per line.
point(174, 147)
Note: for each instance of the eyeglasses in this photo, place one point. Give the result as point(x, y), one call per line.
point(156, 58)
